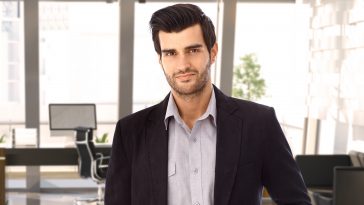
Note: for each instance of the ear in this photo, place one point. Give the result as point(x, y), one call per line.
point(159, 59)
point(213, 53)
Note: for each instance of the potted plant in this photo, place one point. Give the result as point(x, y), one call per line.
point(247, 82)
point(103, 139)
point(2, 140)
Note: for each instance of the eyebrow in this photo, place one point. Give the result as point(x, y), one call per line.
point(186, 48)
point(193, 46)
point(168, 50)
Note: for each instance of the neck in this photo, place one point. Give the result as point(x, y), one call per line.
point(191, 107)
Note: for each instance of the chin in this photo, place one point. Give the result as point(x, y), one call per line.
point(190, 89)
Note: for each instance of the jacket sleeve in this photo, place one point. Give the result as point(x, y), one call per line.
point(280, 174)
point(118, 179)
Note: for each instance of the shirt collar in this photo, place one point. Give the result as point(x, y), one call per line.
point(172, 110)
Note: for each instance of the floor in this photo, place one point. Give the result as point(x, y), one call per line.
point(21, 198)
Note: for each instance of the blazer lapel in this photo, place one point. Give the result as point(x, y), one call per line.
point(229, 128)
point(228, 143)
point(157, 139)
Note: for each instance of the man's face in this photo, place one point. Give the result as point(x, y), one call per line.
point(185, 60)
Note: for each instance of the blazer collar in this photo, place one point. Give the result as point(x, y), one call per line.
point(157, 141)
point(228, 143)
point(229, 128)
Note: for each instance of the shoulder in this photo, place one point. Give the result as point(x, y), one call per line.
point(249, 110)
point(242, 108)
point(249, 107)
point(257, 114)
point(129, 128)
point(139, 118)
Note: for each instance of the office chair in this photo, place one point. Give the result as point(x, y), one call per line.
point(91, 164)
point(348, 186)
point(354, 156)
point(318, 170)
point(322, 198)
point(361, 159)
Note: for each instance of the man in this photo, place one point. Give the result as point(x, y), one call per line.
point(198, 146)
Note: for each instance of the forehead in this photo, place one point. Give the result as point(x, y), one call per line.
point(179, 40)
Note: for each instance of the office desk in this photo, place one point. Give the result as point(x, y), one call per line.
point(35, 157)
point(45, 156)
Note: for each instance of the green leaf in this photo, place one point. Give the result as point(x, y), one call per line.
point(2, 138)
point(102, 139)
point(247, 83)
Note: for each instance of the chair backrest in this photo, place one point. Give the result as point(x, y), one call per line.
point(361, 158)
point(322, 198)
point(86, 151)
point(318, 170)
point(349, 186)
point(355, 160)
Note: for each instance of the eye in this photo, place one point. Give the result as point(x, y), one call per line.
point(170, 53)
point(194, 50)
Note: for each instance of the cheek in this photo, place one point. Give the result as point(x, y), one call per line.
point(166, 64)
point(166, 69)
point(199, 61)
point(204, 62)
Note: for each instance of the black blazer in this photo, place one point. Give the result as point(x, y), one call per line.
point(251, 152)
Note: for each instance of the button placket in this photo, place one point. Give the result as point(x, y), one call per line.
point(195, 165)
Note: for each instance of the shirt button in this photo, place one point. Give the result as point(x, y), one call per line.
point(196, 203)
point(194, 139)
point(195, 171)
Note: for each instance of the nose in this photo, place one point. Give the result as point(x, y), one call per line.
point(183, 62)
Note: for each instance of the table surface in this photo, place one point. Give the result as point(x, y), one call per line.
point(46, 156)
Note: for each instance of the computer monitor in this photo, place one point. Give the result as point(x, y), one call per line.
point(71, 116)
point(349, 186)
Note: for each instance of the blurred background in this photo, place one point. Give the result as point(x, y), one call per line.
point(308, 53)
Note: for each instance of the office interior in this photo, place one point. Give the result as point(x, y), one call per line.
point(310, 54)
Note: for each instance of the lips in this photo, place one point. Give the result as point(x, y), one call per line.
point(185, 76)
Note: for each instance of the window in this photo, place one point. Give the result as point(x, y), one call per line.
point(279, 40)
point(11, 67)
point(79, 60)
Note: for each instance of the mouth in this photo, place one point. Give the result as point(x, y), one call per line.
point(185, 76)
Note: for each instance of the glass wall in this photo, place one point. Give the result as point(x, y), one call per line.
point(11, 68)
point(78, 45)
point(335, 95)
point(277, 34)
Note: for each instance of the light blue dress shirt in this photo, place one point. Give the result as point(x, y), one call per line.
point(191, 156)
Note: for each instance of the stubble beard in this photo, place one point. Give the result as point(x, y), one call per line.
point(190, 91)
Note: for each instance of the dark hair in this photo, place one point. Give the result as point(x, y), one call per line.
point(179, 17)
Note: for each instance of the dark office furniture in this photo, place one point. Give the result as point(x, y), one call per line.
point(91, 164)
point(82, 119)
point(361, 158)
point(2, 176)
point(44, 157)
point(355, 159)
point(322, 198)
point(348, 186)
point(318, 170)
